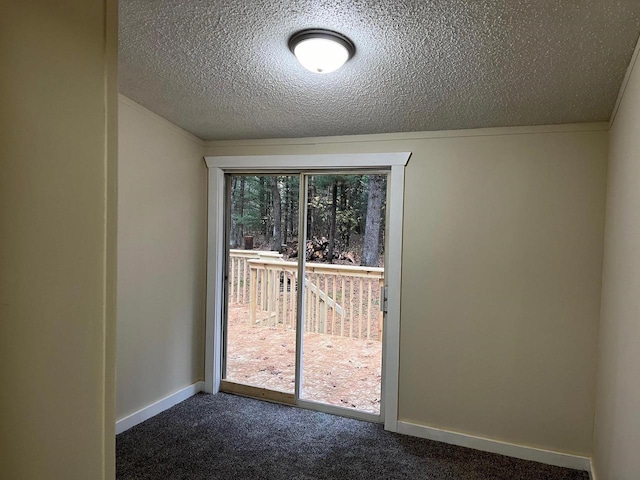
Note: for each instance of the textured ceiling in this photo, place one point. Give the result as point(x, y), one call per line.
point(222, 70)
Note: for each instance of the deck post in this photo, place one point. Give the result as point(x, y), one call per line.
point(253, 294)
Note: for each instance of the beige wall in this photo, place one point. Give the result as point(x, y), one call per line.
point(617, 433)
point(161, 259)
point(57, 91)
point(501, 280)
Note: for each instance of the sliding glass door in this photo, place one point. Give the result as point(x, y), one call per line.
point(262, 220)
point(344, 274)
point(303, 322)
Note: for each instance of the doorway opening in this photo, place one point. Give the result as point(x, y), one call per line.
point(343, 260)
point(290, 263)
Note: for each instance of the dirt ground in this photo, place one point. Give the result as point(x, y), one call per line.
point(339, 371)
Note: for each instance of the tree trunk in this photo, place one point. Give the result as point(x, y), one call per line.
point(264, 206)
point(370, 248)
point(285, 216)
point(233, 234)
point(346, 238)
point(277, 220)
point(332, 221)
point(293, 219)
point(238, 192)
point(311, 214)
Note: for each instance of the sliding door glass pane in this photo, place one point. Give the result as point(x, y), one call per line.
point(342, 348)
point(260, 348)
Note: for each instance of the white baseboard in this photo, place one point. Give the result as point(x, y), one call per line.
point(160, 406)
point(592, 471)
point(548, 457)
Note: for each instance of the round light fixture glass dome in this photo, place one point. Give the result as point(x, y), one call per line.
point(321, 51)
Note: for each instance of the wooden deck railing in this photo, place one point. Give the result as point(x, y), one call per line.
point(340, 300)
point(239, 271)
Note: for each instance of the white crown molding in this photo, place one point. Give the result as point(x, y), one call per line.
point(390, 137)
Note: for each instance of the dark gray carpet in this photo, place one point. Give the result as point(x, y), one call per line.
point(228, 437)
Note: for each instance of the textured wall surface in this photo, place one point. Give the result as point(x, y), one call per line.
point(162, 191)
point(502, 265)
point(617, 432)
point(222, 70)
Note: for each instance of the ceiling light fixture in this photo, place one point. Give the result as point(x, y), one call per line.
point(321, 51)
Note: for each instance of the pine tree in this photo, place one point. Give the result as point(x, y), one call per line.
point(370, 249)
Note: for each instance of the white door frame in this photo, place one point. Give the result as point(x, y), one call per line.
point(218, 166)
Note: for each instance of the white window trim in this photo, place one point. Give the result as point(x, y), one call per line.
point(218, 166)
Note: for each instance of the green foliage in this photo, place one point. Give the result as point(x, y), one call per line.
point(252, 208)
